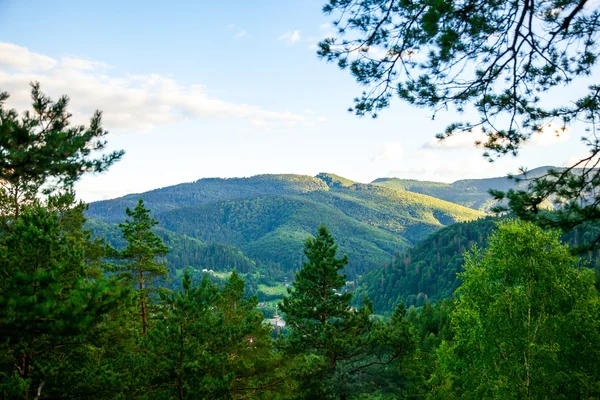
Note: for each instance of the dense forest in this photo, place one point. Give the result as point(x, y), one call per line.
point(298, 287)
point(258, 225)
point(429, 271)
point(266, 219)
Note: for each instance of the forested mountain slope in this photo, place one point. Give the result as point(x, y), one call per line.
point(205, 191)
point(183, 250)
point(268, 217)
point(472, 193)
point(427, 271)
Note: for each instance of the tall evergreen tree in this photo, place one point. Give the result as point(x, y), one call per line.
point(210, 342)
point(53, 296)
point(337, 344)
point(141, 254)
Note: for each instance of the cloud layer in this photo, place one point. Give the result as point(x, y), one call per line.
point(130, 102)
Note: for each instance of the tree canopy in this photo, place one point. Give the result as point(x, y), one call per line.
point(342, 350)
point(43, 150)
point(523, 313)
point(53, 295)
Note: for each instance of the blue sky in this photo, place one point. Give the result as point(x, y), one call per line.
point(194, 89)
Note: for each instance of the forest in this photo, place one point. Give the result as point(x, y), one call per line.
point(284, 286)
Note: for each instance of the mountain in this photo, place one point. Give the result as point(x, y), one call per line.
point(205, 191)
point(267, 217)
point(472, 193)
point(427, 271)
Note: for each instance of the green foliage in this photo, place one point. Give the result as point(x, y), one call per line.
point(42, 150)
point(209, 190)
point(209, 342)
point(487, 55)
point(47, 304)
point(573, 189)
point(54, 299)
point(184, 251)
point(338, 349)
point(430, 270)
point(333, 180)
point(139, 257)
point(526, 324)
point(472, 193)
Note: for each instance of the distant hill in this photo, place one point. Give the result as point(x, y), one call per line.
point(472, 193)
point(267, 217)
point(205, 191)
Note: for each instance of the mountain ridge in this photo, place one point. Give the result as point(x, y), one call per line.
point(472, 193)
point(268, 216)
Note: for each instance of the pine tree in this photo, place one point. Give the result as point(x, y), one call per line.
point(141, 253)
point(210, 342)
point(491, 58)
point(336, 343)
point(53, 295)
point(43, 150)
point(48, 306)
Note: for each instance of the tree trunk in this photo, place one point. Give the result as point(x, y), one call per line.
point(143, 302)
point(180, 374)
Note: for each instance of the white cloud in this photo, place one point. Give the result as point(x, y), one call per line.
point(270, 125)
point(326, 30)
point(440, 165)
point(131, 102)
point(12, 56)
point(291, 36)
point(577, 161)
point(434, 161)
point(81, 64)
point(550, 134)
point(460, 140)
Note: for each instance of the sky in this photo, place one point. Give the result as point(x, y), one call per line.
point(195, 89)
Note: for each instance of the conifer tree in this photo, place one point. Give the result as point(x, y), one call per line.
point(141, 253)
point(41, 149)
point(210, 342)
point(501, 59)
point(337, 344)
point(53, 296)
